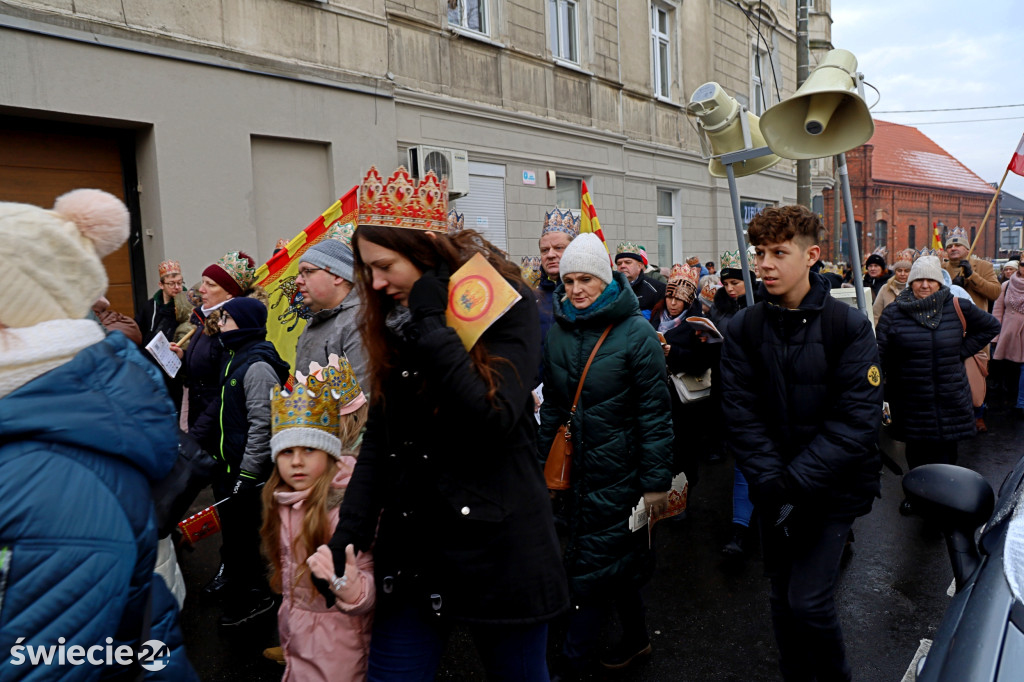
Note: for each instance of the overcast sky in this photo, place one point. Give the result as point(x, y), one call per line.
point(941, 54)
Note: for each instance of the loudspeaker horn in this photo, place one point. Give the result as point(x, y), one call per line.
point(826, 116)
point(718, 114)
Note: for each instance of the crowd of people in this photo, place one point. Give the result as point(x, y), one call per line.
point(388, 482)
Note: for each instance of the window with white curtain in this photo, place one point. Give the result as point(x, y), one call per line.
point(468, 14)
point(661, 45)
point(563, 29)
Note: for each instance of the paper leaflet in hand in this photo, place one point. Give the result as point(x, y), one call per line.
point(160, 349)
point(703, 324)
point(640, 518)
point(477, 297)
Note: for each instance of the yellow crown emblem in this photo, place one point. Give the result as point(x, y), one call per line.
point(339, 378)
point(304, 418)
point(400, 202)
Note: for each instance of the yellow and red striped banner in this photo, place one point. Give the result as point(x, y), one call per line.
point(936, 237)
point(588, 217)
point(277, 275)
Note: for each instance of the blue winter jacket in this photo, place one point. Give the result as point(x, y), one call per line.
point(79, 448)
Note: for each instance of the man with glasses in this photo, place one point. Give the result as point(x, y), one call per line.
point(325, 283)
point(158, 315)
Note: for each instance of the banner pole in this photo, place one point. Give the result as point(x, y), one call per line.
point(984, 221)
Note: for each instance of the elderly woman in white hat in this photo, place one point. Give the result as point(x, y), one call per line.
point(922, 344)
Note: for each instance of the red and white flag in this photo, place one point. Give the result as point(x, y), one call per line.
point(1017, 162)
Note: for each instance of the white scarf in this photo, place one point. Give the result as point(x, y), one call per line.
point(29, 352)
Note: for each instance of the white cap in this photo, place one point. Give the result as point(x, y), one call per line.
point(586, 253)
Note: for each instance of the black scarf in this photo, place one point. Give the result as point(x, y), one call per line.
point(927, 312)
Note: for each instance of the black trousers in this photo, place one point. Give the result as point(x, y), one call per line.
point(803, 569)
point(930, 452)
point(240, 520)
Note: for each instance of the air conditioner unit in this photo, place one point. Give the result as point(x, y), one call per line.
point(450, 163)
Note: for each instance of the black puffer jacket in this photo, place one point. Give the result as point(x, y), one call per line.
point(789, 414)
point(648, 292)
point(465, 521)
point(925, 381)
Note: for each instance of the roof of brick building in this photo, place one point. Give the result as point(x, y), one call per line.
point(906, 155)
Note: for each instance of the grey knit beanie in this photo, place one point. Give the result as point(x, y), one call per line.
point(586, 253)
point(333, 256)
point(926, 267)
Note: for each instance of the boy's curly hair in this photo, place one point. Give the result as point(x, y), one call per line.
point(777, 224)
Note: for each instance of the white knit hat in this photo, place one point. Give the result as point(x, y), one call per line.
point(52, 268)
point(926, 267)
point(586, 253)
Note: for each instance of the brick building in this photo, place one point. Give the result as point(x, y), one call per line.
point(902, 183)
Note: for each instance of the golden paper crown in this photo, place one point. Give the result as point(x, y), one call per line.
point(731, 260)
point(561, 221)
point(240, 267)
point(687, 272)
point(708, 292)
point(339, 377)
point(169, 266)
point(400, 202)
point(828, 268)
point(304, 418)
point(693, 260)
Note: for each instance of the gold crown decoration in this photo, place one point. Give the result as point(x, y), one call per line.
point(829, 268)
point(530, 270)
point(905, 256)
point(882, 251)
point(169, 266)
point(400, 202)
point(693, 260)
point(456, 222)
point(957, 235)
point(304, 418)
point(341, 232)
point(628, 247)
point(240, 267)
point(561, 221)
point(731, 260)
point(337, 376)
point(707, 294)
point(925, 252)
point(687, 272)
point(281, 244)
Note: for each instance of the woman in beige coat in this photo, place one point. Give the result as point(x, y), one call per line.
point(897, 283)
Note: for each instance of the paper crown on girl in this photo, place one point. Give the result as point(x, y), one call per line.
point(339, 377)
point(456, 222)
point(561, 221)
point(731, 260)
point(530, 270)
point(401, 202)
point(169, 266)
point(304, 418)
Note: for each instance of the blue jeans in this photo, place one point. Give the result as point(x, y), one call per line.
point(407, 644)
point(742, 507)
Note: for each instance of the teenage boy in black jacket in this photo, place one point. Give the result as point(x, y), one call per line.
point(802, 400)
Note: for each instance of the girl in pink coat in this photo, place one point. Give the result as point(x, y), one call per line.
point(316, 432)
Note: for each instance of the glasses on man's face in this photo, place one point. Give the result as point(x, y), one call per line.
point(176, 284)
point(305, 272)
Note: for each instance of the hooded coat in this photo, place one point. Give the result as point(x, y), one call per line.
point(320, 642)
point(622, 433)
point(80, 447)
point(793, 413)
point(925, 380)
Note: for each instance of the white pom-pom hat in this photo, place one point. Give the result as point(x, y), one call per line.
point(52, 259)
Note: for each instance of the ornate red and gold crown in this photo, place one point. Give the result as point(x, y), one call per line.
point(400, 202)
point(169, 266)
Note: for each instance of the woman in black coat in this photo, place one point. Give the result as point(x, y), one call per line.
point(922, 346)
point(447, 488)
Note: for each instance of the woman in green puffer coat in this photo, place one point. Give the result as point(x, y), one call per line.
point(622, 433)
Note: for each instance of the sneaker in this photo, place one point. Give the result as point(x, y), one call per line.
point(215, 588)
point(244, 614)
point(622, 655)
point(736, 547)
point(275, 654)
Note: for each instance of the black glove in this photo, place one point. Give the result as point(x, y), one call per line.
point(965, 266)
point(429, 295)
point(245, 482)
point(324, 588)
point(773, 493)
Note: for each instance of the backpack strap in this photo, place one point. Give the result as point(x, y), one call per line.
point(960, 314)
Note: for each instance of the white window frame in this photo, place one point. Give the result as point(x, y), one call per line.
point(579, 195)
point(560, 35)
point(674, 221)
point(463, 23)
point(658, 38)
point(760, 77)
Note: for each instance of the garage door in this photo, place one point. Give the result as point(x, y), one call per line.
point(37, 166)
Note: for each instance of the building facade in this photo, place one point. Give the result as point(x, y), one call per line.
point(903, 185)
point(229, 124)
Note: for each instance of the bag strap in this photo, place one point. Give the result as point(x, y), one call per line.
point(960, 314)
point(583, 377)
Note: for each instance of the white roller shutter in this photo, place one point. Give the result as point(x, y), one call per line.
point(483, 209)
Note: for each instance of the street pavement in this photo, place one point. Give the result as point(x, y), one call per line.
point(708, 617)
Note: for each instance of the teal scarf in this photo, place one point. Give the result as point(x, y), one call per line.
point(610, 293)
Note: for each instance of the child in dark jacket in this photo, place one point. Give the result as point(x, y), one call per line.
point(803, 400)
point(252, 368)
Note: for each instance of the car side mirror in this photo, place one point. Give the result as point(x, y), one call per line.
point(958, 500)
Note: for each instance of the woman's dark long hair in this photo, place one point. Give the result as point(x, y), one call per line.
point(427, 252)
